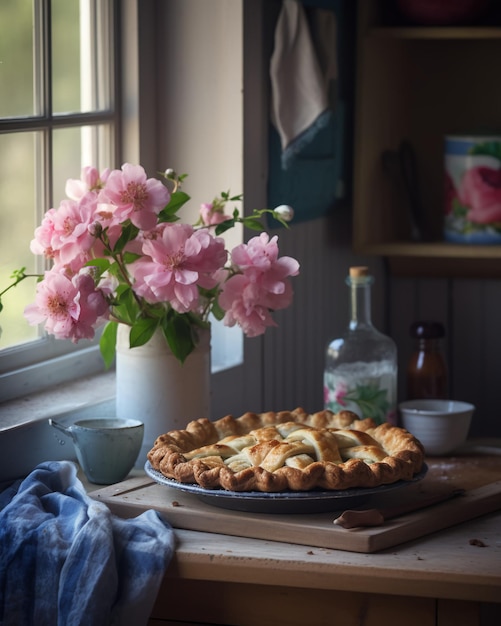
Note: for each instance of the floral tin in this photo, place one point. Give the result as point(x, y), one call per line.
point(473, 189)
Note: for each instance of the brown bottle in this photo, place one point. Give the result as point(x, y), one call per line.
point(427, 369)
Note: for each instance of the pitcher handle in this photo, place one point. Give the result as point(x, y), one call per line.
point(63, 429)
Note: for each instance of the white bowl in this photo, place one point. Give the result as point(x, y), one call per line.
point(440, 425)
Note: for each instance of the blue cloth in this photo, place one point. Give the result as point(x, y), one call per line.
point(66, 560)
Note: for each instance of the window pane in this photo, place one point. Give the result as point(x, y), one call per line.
point(17, 223)
point(34, 165)
point(80, 61)
point(16, 58)
point(74, 148)
point(66, 55)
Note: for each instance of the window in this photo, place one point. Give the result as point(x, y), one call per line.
point(58, 112)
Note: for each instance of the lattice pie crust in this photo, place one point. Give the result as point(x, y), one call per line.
point(289, 450)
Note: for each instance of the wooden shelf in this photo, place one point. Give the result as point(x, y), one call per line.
point(439, 259)
point(470, 33)
point(419, 84)
point(437, 250)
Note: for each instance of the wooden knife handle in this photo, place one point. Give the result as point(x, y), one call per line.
point(376, 517)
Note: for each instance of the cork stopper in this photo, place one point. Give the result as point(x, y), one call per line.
point(359, 271)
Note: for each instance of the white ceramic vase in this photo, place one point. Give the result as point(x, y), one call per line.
point(154, 387)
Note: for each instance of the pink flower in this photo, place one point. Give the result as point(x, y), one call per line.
point(261, 287)
point(69, 308)
point(56, 303)
point(260, 256)
point(480, 191)
point(91, 181)
point(93, 306)
point(212, 215)
point(64, 234)
point(176, 264)
point(71, 236)
point(111, 235)
point(42, 243)
point(207, 256)
point(340, 394)
point(135, 196)
point(241, 299)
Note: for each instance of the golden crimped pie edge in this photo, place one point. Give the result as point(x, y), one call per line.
point(403, 454)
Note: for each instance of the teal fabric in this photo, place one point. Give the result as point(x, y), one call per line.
point(310, 184)
point(316, 178)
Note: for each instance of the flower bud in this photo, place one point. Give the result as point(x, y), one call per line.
point(285, 212)
point(95, 229)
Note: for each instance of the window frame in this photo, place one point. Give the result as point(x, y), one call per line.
point(46, 362)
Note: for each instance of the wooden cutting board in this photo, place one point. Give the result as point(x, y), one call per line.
point(480, 476)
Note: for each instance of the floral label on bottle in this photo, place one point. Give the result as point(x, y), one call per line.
point(366, 395)
point(473, 190)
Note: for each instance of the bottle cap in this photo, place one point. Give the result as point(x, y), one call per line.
point(427, 330)
point(359, 271)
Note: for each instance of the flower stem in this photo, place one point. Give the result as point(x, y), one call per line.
point(19, 277)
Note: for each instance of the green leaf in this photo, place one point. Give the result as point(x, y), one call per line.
point(177, 200)
point(142, 331)
point(253, 223)
point(489, 148)
point(18, 275)
point(129, 232)
point(217, 310)
point(458, 209)
point(126, 305)
point(130, 257)
point(224, 226)
point(102, 264)
point(108, 342)
point(114, 270)
point(208, 294)
point(372, 401)
point(100, 267)
point(156, 311)
point(178, 332)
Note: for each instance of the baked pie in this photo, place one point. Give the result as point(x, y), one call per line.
point(288, 450)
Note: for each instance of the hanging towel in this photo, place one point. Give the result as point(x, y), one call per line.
point(310, 171)
point(299, 83)
point(66, 560)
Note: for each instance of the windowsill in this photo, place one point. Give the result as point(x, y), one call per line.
point(62, 399)
point(26, 437)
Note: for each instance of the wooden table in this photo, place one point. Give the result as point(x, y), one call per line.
point(447, 578)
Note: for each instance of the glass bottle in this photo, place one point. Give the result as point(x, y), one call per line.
point(427, 375)
point(361, 366)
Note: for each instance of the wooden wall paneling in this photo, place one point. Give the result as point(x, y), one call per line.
point(403, 297)
point(294, 352)
point(471, 313)
point(433, 300)
point(433, 303)
point(412, 300)
point(491, 359)
point(469, 335)
point(310, 326)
